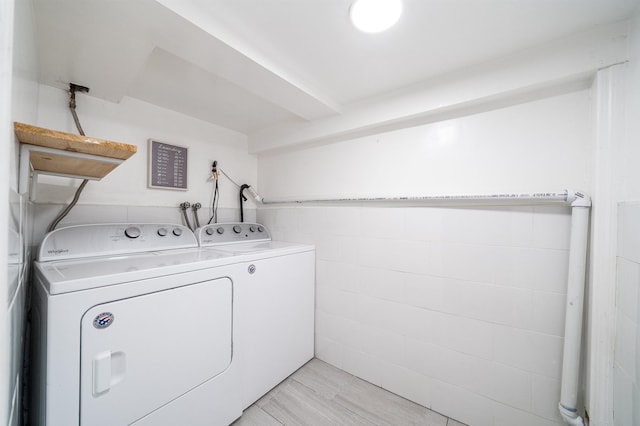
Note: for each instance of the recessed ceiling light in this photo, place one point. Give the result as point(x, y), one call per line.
point(373, 16)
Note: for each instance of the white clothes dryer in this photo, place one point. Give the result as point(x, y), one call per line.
point(132, 324)
point(275, 300)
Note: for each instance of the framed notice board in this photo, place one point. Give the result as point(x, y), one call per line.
point(167, 166)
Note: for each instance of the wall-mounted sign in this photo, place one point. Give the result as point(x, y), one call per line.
point(167, 166)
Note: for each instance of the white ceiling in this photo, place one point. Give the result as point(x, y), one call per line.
point(249, 64)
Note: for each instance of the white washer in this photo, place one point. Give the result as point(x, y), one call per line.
point(275, 284)
point(133, 324)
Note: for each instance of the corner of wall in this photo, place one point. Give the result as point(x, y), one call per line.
point(616, 180)
point(6, 53)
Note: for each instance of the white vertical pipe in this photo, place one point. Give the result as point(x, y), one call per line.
point(573, 320)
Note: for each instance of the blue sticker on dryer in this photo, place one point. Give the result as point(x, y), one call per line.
point(103, 320)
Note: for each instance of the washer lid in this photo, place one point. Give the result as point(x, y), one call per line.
point(257, 247)
point(82, 274)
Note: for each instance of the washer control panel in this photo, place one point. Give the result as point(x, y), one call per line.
point(226, 233)
point(80, 241)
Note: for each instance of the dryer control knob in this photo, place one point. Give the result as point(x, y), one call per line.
point(177, 232)
point(237, 229)
point(252, 228)
point(260, 229)
point(162, 232)
point(132, 232)
point(220, 230)
point(209, 231)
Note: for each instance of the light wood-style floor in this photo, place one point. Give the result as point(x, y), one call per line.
point(319, 394)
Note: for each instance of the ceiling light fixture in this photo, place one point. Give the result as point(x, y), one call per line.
point(374, 16)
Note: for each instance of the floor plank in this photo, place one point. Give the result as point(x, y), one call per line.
point(455, 423)
point(323, 378)
point(384, 408)
point(255, 416)
point(319, 394)
point(293, 403)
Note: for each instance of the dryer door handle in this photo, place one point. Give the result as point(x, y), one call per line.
point(108, 370)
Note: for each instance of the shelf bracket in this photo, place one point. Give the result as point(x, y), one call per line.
point(27, 170)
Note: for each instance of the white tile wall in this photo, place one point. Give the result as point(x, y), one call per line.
point(546, 394)
point(461, 310)
point(408, 383)
point(535, 352)
point(626, 377)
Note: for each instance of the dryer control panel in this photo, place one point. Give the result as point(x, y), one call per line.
point(81, 241)
point(233, 232)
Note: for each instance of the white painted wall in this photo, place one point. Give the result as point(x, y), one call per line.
point(612, 395)
point(630, 172)
point(608, 118)
point(626, 368)
point(134, 122)
point(538, 146)
point(6, 53)
point(25, 77)
point(23, 103)
point(123, 195)
point(458, 309)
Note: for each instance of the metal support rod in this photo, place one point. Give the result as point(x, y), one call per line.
point(564, 197)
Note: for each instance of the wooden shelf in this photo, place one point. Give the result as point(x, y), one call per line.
point(66, 154)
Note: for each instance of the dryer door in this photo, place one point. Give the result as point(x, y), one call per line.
point(140, 353)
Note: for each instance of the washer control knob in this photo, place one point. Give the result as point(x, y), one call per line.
point(162, 232)
point(132, 232)
point(260, 229)
point(177, 232)
point(220, 230)
point(237, 229)
point(252, 228)
point(209, 231)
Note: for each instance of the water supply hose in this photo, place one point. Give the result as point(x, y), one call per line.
point(73, 88)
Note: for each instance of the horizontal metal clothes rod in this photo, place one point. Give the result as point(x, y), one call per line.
point(566, 197)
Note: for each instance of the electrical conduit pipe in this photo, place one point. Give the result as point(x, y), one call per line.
point(580, 209)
